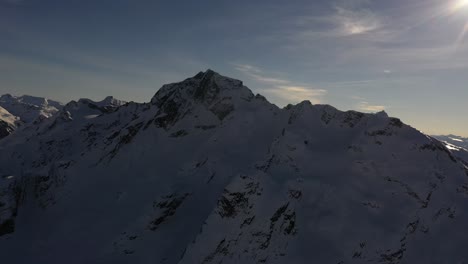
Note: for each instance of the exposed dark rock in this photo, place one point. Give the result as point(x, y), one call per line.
point(7, 227)
point(180, 133)
point(169, 206)
point(206, 127)
point(222, 109)
point(208, 88)
point(231, 203)
point(5, 129)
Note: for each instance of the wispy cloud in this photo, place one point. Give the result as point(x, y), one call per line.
point(348, 18)
point(257, 74)
point(355, 21)
point(285, 91)
point(359, 98)
point(363, 105)
point(348, 84)
point(296, 94)
point(397, 37)
point(367, 107)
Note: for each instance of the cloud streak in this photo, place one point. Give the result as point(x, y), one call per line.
point(257, 74)
point(285, 91)
point(367, 107)
point(346, 19)
point(298, 93)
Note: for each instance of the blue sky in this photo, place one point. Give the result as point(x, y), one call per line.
point(409, 57)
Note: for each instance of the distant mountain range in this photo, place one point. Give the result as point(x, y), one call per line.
point(208, 172)
point(29, 108)
point(454, 141)
point(23, 111)
point(458, 145)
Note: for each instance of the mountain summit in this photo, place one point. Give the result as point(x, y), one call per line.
point(208, 172)
point(206, 91)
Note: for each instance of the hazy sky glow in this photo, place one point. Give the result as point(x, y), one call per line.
point(409, 57)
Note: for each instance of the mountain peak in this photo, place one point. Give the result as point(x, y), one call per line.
point(6, 97)
point(208, 90)
point(108, 101)
point(203, 87)
point(208, 87)
point(212, 83)
point(202, 74)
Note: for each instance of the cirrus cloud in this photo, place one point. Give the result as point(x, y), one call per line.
point(282, 91)
point(296, 94)
point(354, 22)
point(367, 107)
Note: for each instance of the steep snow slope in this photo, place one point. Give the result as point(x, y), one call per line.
point(207, 172)
point(29, 108)
point(8, 123)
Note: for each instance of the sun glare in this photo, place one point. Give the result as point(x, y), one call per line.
point(457, 7)
point(459, 4)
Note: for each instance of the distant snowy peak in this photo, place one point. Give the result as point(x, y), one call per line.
point(456, 144)
point(31, 100)
point(86, 108)
point(109, 104)
point(29, 108)
point(453, 140)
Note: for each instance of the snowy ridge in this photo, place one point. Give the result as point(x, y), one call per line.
point(107, 105)
point(30, 100)
point(32, 111)
point(87, 109)
point(208, 172)
point(29, 108)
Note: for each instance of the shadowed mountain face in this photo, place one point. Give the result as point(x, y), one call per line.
point(208, 172)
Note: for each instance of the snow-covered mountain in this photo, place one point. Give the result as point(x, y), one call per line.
point(29, 108)
point(458, 145)
point(88, 109)
point(208, 172)
point(8, 123)
point(453, 140)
